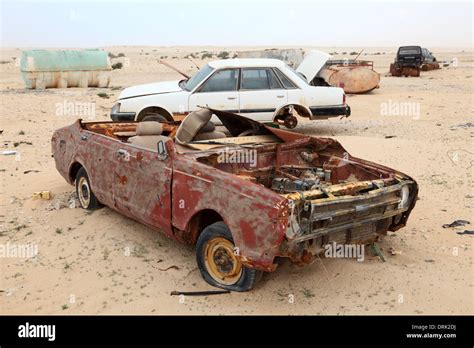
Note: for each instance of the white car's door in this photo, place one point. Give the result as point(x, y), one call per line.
point(260, 94)
point(220, 91)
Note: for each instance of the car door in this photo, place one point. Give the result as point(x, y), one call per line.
point(96, 153)
point(219, 91)
point(142, 185)
point(260, 93)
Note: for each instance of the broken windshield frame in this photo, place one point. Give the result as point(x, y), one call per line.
point(197, 78)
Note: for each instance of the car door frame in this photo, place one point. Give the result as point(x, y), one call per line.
point(149, 177)
point(203, 83)
point(264, 114)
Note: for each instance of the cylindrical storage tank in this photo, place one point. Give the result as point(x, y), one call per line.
point(63, 68)
point(353, 78)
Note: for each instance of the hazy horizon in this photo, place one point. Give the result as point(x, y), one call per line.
point(50, 24)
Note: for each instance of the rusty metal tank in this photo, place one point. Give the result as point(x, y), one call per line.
point(430, 66)
point(354, 76)
point(65, 68)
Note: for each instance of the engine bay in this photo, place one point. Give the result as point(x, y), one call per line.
point(300, 169)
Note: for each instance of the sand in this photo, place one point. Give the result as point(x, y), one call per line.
point(104, 263)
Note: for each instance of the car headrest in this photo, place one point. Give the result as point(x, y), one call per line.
point(208, 127)
point(149, 128)
point(192, 124)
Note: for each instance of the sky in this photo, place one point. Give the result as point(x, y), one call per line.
point(357, 23)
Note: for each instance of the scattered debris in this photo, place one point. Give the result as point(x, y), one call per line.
point(46, 195)
point(17, 143)
point(199, 293)
point(378, 252)
point(64, 200)
point(170, 267)
point(430, 261)
point(392, 251)
point(466, 232)
point(463, 125)
point(457, 223)
point(390, 136)
point(31, 171)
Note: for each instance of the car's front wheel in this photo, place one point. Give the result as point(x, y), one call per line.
point(155, 117)
point(218, 260)
point(86, 197)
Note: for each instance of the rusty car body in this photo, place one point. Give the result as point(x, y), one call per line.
point(299, 194)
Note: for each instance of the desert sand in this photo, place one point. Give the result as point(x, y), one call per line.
point(105, 263)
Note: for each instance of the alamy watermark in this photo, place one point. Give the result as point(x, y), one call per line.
point(394, 108)
point(28, 330)
point(345, 251)
point(461, 158)
point(244, 156)
point(18, 250)
point(76, 109)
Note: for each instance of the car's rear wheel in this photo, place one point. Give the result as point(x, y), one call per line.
point(86, 197)
point(219, 263)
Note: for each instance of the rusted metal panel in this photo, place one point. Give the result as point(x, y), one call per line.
point(404, 71)
point(430, 66)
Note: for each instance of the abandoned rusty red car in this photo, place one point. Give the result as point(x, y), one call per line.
point(245, 196)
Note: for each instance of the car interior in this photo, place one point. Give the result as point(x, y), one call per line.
point(195, 132)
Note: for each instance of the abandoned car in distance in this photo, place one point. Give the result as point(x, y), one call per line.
point(244, 196)
point(265, 90)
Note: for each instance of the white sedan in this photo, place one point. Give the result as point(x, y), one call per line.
point(265, 90)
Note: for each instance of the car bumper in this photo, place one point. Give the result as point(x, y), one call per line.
point(333, 111)
point(122, 116)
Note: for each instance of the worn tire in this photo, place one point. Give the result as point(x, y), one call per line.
point(155, 117)
point(84, 193)
point(244, 281)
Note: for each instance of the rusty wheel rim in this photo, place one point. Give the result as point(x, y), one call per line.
point(221, 262)
point(83, 191)
point(290, 122)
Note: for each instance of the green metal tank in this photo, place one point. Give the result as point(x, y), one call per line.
point(65, 68)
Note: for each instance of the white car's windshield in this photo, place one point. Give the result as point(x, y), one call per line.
point(197, 78)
